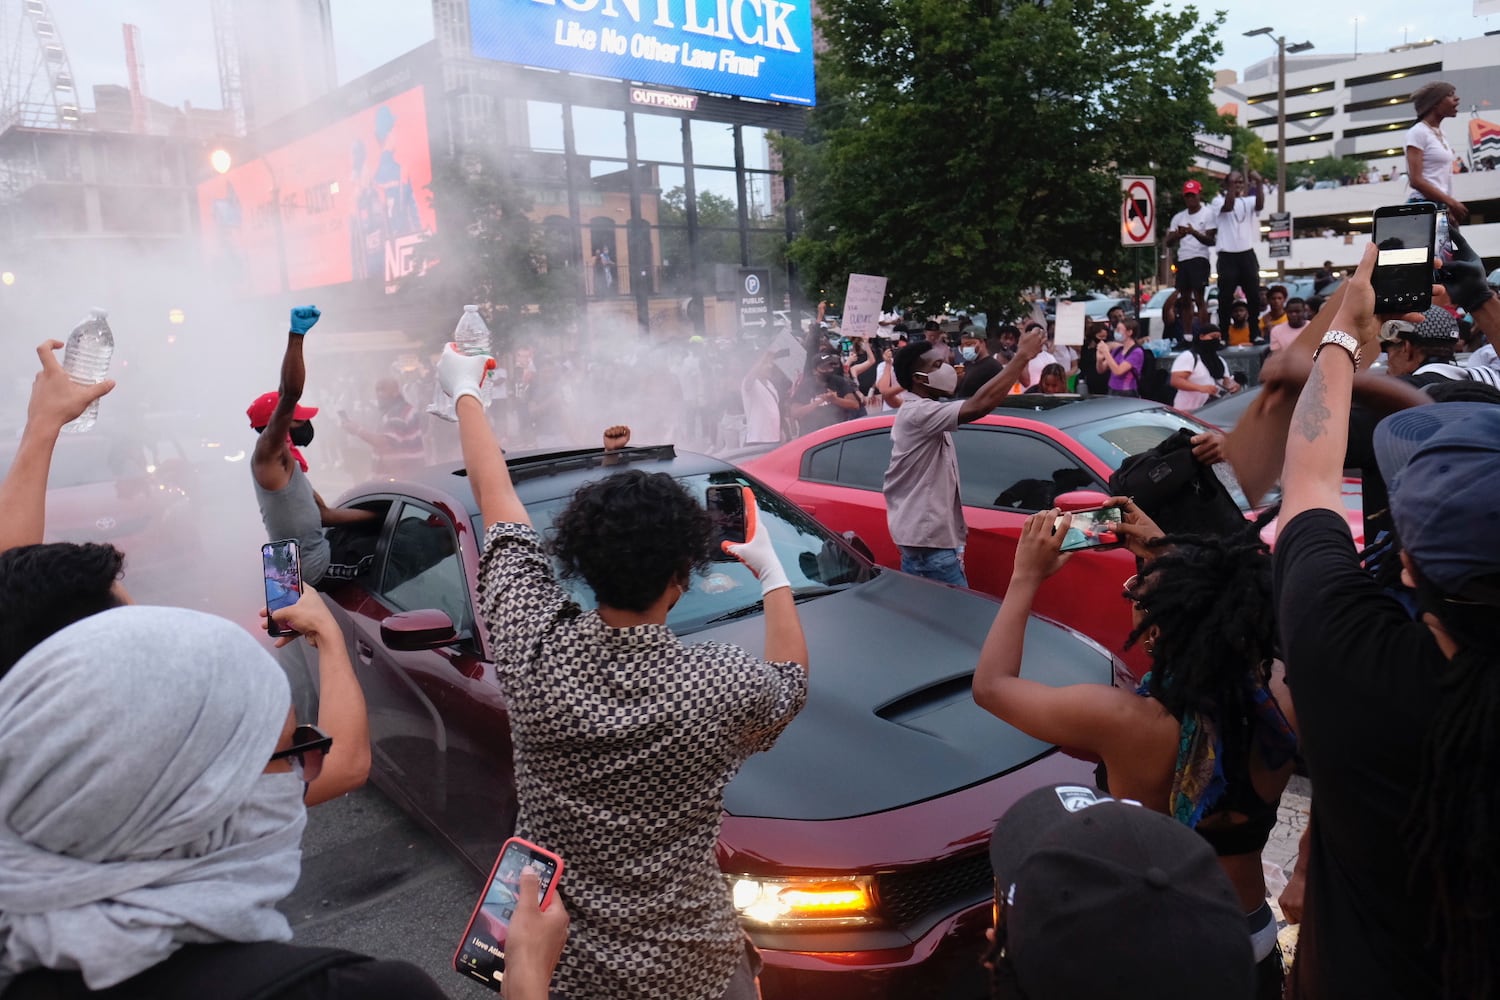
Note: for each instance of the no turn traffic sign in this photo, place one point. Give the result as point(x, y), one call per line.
point(1137, 211)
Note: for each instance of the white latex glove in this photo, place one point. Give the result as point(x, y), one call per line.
point(462, 374)
point(756, 551)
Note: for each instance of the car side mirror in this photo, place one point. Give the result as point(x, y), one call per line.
point(858, 545)
point(410, 631)
point(1080, 500)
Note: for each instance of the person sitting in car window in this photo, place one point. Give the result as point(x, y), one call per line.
point(624, 736)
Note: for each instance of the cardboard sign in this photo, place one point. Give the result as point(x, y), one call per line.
point(862, 301)
point(1072, 317)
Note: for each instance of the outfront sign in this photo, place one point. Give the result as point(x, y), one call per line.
point(749, 48)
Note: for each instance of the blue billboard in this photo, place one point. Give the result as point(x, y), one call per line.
point(749, 48)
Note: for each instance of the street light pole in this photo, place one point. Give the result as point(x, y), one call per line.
point(1281, 141)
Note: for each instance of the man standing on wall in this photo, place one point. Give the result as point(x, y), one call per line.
point(1238, 233)
point(1192, 230)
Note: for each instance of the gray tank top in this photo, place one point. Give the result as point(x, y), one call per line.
point(292, 512)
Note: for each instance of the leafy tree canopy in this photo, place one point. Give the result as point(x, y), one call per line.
point(970, 149)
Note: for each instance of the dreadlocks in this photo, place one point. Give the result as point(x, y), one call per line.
point(1209, 598)
point(1454, 821)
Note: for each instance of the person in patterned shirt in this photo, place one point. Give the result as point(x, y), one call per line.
point(624, 736)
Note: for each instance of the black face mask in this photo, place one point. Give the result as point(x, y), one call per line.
point(302, 436)
point(1211, 345)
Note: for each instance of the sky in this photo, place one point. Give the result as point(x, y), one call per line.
point(180, 65)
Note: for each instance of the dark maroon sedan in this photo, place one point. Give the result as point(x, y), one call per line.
point(855, 849)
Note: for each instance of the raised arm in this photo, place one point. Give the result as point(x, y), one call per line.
point(1260, 191)
point(1313, 474)
point(341, 702)
point(1086, 717)
point(996, 389)
point(460, 376)
point(273, 439)
point(55, 401)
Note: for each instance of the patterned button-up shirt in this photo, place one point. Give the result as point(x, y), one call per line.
point(624, 740)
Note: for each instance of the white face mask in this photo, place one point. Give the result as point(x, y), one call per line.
point(943, 378)
point(970, 353)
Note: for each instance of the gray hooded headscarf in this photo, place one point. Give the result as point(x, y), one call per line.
point(135, 816)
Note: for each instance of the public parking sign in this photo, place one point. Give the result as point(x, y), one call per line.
point(755, 300)
point(1281, 234)
point(1137, 211)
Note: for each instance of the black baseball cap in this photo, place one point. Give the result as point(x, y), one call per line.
point(1104, 898)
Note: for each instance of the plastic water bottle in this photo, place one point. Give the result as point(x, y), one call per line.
point(472, 338)
point(91, 345)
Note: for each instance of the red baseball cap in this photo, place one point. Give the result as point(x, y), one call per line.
point(260, 411)
point(1192, 187)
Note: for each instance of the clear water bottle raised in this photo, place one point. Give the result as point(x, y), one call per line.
point(473, 338)
point(90, 348)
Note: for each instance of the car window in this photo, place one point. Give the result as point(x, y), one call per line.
point(823, 463)
point(864, 460)
point(1013, 470)
point(814, 560)
point(423, 569)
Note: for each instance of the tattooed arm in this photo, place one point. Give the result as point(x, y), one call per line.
point(1314, 469)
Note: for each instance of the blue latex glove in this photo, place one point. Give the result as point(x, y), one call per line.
point(304, 318)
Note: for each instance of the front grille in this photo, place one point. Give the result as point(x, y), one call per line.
point(944, 887)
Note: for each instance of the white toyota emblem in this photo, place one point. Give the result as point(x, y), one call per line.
point(104, 523)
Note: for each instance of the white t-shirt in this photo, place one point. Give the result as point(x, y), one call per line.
point(1239, 227)
point(762, 410)
point(1186, 400)
point(1485, 357)
point(1437, 156)
point(1203, 220)
point(1035, 365)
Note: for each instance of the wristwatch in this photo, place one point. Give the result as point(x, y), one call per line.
point(1340, 339)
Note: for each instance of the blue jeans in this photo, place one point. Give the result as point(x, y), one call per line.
point(942, 565)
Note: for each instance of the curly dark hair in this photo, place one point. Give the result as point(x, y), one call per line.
point(630, 535)
point(1210, 598)
point(46, 588)
point(1451, 829)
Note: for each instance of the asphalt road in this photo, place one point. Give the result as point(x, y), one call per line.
point(375, 882)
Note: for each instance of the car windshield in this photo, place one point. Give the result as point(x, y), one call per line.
point(816, 562)
point(84, 461)
point(1115, 439)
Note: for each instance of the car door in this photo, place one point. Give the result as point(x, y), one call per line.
point(1006, 474)
point(423, 720)
point(841, 483)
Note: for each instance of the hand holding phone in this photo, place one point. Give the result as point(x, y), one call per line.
point(1405, 239)
point(726, 512)
point(481, 953)
point(1090, 529)
point(281, 567)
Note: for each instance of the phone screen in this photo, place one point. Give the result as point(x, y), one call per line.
point(482, 953)
point(1403, 267)
point(1087, 530)
point(281, 564)
point(726, 510)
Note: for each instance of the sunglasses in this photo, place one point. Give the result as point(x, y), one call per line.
point(309, 746)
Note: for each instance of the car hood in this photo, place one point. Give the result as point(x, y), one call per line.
point(890, 719)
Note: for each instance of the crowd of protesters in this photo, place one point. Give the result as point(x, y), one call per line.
point(155, 772)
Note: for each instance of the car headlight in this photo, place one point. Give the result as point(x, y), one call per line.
point(805, 902)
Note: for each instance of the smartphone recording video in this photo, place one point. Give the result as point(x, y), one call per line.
point(1405, 240)
point(481, 954)
point(726, 511)
point(281, 564)
point(1088, 530)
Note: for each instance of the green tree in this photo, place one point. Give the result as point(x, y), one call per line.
point(1326, 168)
point(969, 149)
point(488, 250)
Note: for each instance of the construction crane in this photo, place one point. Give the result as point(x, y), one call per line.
point(37, 86)
point(226, 42)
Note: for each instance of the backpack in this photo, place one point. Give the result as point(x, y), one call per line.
point(263, 970)
point(1182, 495)
point(1155, 381)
